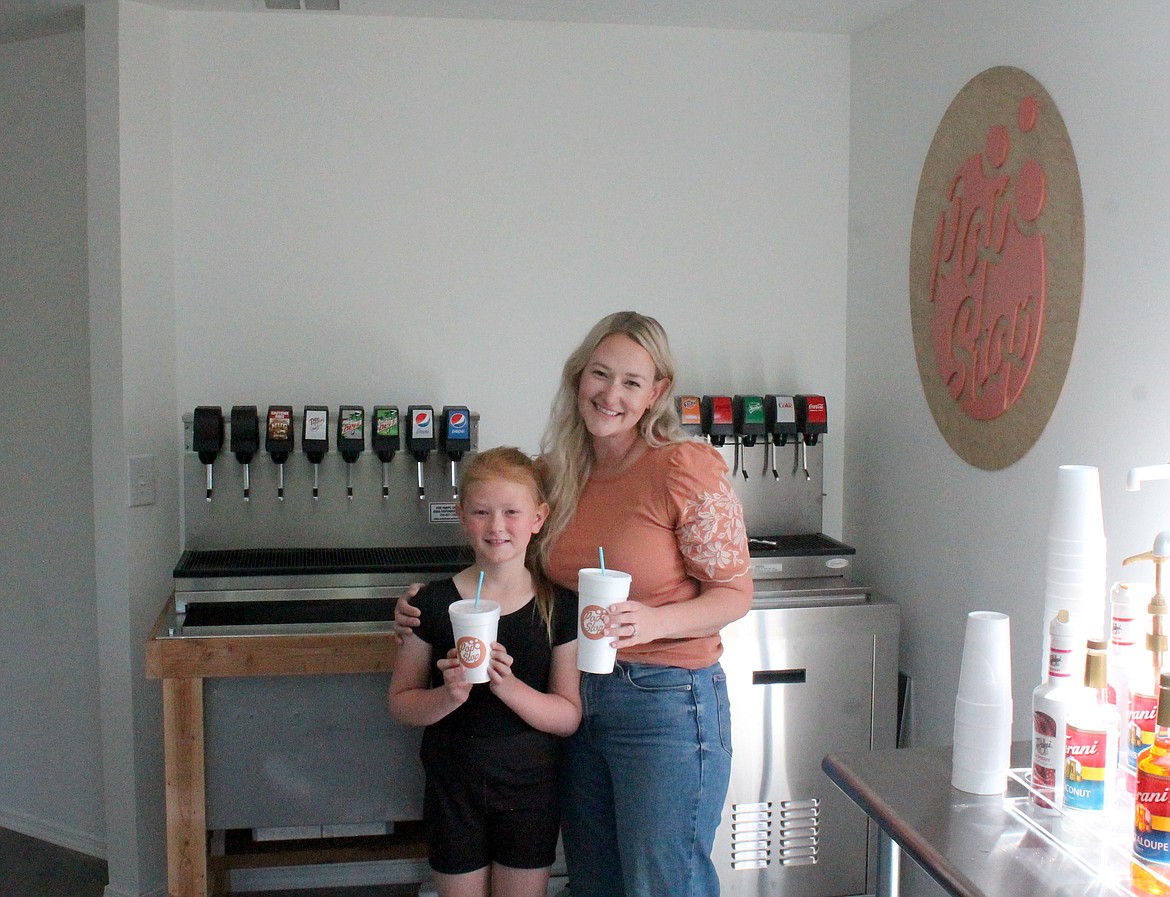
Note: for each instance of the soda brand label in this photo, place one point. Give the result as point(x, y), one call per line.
point(1151, 824)
point(1084, 768)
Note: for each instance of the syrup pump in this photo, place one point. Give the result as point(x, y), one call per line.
point(779, 424)
point(812, 420)
point(351, 440)
point(315, 440)
point(278, 440)
point(207, 438)
point(245, 441)
point(1156, 641)
point(455, 435)
point(385, 441)
point(420, 439)
point(690, 415)
point(747, 413)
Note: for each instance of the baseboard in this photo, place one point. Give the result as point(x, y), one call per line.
point(111, 891)
point(72, 839)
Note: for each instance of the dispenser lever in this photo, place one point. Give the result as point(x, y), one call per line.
point(351, 440)
point(245, 441)
point(207, 438)
point(385, 441)
point(420, 440)
point(315, 441)
point(278, 440)
point(455, 434)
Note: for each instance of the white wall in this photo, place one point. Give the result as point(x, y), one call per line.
point(49, 746)
point(376, 210)
point(322, 209)
point(938, 535)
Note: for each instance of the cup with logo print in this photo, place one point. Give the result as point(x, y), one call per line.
point(597, 589)
point(475, 625)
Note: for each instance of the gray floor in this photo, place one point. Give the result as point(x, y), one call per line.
point(32, 868)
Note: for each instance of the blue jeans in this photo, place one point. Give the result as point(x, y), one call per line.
point(646, 775)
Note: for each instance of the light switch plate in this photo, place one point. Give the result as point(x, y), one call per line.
point(141, 481)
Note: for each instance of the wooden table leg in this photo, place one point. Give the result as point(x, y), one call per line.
point(185, 788)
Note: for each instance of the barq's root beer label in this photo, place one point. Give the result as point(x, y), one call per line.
point(472, 652)
point(1084, 769)
point(594, 619)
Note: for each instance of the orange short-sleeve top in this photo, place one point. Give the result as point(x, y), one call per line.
point(672, 521)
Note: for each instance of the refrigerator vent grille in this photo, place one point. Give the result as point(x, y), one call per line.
point(751, 835)
point(798, 835)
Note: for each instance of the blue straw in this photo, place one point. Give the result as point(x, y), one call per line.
point(477, 589)
point(601, 552)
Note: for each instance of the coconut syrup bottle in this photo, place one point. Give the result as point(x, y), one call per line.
point(1151, 826)
point(1050, 703)
point(1090, 751)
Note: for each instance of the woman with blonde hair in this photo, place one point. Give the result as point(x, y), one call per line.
point(647, 771)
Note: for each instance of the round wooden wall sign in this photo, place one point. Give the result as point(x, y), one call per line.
point(996, 263)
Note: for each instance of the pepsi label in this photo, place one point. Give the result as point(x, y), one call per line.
point(422, 424)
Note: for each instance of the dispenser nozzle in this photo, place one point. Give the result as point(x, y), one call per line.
point(1138, 475)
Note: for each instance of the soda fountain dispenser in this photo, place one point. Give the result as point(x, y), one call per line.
point(690, 415)
point(718, 424)
point(245, 441)
point(420, 439)
point(780, 424)
point(207, 438)
point(315, 440)
point(351, 440)
point(812, 421)
point(455, 436)
point(385, 440)
point(747, 414)
point(278, 440)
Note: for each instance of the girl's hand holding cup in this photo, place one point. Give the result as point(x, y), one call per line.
point(454, 681)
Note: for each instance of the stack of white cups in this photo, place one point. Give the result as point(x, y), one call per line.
point(983, 708)
point(1076, 561)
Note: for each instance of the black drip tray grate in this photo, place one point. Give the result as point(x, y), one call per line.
point(307, 561)
point(799, 545)
point(280, 613)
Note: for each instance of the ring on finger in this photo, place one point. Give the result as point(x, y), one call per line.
point(633, 630)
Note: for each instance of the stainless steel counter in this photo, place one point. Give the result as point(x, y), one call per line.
point(973, 846)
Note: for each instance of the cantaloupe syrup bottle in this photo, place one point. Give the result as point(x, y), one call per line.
point(1151, 825)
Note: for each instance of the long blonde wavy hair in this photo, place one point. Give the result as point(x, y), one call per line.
point(566, 449)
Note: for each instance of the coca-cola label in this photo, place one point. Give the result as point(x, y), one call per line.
point(1151, 824)
point(1139, 730)
point(1084, 768)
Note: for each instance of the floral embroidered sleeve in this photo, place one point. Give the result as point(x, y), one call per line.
point(710, 529)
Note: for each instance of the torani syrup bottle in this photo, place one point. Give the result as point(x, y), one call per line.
point(1050, 703)
point(1151, 823)
point(1138, 732)
point(1090, 750)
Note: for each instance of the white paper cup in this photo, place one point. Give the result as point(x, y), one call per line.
point(982, 716)
point(597, 589)
point(475, 629)
point(1076, 506)
point(985, 670)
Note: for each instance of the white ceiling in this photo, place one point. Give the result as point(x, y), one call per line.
point(21, 19)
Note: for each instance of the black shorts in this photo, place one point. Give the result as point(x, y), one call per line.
point(491, 800)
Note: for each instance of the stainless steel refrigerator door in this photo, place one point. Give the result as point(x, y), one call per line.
point(802, 682)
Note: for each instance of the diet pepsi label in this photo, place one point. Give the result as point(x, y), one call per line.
point(422, 424)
